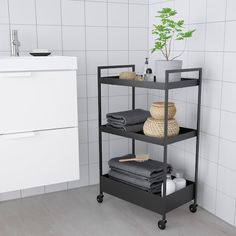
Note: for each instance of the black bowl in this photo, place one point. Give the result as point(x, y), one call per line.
point(40, 54)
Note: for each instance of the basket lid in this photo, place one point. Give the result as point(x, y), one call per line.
point(153, 120)
point(162, 104)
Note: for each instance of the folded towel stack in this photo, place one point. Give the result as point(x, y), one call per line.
point(147, 175)
point(130, 121)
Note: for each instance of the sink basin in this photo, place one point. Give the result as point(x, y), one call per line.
point(29, 63)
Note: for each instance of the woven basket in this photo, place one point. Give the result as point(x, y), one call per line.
point(127, 75)
point(155, 128)
point(157, 110)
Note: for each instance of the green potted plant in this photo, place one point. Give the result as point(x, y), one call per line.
point(165, 33)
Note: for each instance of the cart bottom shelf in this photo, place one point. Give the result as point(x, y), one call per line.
point(153, 202)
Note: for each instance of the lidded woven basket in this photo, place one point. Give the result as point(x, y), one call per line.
point(155, 128)
point(157, 110)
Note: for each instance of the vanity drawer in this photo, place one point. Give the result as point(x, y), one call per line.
point(38, 158)
point(37, 101)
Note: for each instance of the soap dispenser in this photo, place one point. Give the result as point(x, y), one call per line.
point(147, 71)
point(179, 181)
point(170, 185)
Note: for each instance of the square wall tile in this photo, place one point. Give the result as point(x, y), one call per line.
point(5, 38)
point(83, 154)
point(225, 181)
point(138, 39)
point(93, 174)
point(73, 37)
point(83, 131)
point(230, 36)
point(213, 67)
point(208, 173)
point(118, 147)
point(215, 36)
point(197, 11)
point(228, 126)
point(210, 121)
point(209, 147)
point(211, 93)
point(96, 38)
point(231, 8)
point(229, 65)
point(182, 8)
point(118, 39)
point(227, 154)
point(96, 13)
point(19, 14)
point(225, 208)
point(138, 15)
point(82, 86)
point(216, 10)
point(73, 12)
point(4, 17)
point(118, 103)
point(115, 10)
point(49, 37)
point(118, 57)
point(138, 59)
point(228, 96)
point(93, 131)
point(82, 109)
point(95, 59)
point(197, 43)
point(207, 197)
point(48, 12)
point(27, 36)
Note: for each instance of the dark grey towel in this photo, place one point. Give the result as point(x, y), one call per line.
point(127, 128)
point(157, 178)
point(136, 181)
point(130, 117)
point(155, 190)
point(149, 168)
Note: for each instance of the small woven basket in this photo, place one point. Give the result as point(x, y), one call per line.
point(155, 128)
point(157, 110)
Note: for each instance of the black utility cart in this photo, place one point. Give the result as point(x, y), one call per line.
point(154, 202)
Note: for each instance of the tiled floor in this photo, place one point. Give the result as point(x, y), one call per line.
point(77, 213)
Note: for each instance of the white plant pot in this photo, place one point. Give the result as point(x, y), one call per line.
point(162, 65)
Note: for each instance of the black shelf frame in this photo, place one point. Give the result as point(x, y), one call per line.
point(160, 204)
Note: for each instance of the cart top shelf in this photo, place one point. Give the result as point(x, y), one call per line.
point(114, 80)
point(183, 83)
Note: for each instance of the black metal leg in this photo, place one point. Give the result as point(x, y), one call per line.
point(100, 196)
point(193, 207)
point(133, 107)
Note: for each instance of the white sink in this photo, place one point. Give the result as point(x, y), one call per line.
point(30, 63)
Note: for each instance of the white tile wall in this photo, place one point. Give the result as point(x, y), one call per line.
point(97, 33)
point(213, 48)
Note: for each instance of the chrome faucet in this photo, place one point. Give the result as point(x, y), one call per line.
point(15, 43)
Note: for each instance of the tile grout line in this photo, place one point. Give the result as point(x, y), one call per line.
point(86, 68)
point(36, 23)
point(220, 108)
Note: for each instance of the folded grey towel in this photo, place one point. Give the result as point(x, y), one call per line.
point(149, 168)
point(130, 117)
point(128, 128)
point(155, 189)
point(157, 178)
point(136, 181)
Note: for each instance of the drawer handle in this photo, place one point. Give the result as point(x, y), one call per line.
point(15, 74)
point(18, 135)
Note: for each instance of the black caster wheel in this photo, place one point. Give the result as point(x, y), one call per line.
point(193, 208)
point(100, 198)
point(162, 224)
